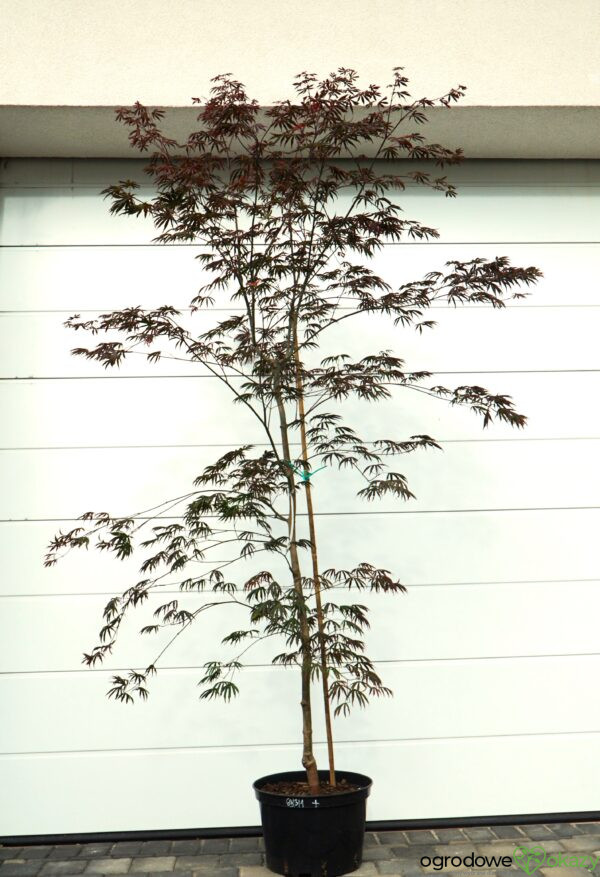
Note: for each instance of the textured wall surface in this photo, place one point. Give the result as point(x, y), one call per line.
point(508, 52)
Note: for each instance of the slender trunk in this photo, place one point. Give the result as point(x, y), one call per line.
point(308, 759)
point(315, 564)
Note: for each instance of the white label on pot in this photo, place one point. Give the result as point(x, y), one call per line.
point(294, 802)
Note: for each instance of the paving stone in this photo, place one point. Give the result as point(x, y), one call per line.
point(152, 864)
point(550, 846)
point(69, 866)
point(243, 844)
point(565, 829)
point(381, 853)
point(391, 837)
point(447, 835)
point(215, 845)
point(553, 846)
point(421, 837)
point(589, 827)
point(108, 866)
point(191, 863)
point(156, 847)
point(581, 843)
point(464, 849)
point(126, 848)
point(538, 832)
point(513, 872)
point(186, 847)
point(507, 831)
point(479, 833)
point(410, 871)
point(410, 857)
point(371, 839)
point(392, 868)
point(567, 871)
point(413, 854)
point(255, 871)
point(37, 852)
point(417, 871)
point(65, 851)
point(10, 852)
point(236, 860)
point(164, 874)
point(499, 848)
point(89, 851)
point(20, 866)
point(224, 872)
point(550, 829)
point(367, 869)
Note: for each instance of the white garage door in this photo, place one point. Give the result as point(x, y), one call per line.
point(494, 652)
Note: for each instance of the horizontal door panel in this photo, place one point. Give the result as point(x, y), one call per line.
point(57, 216)
point(79, 279)
point(544, 212)
point(38, 345)
point(460, 476)
point(200, 411)
point(436, 622)
point(569, 270)
point(467, 547)
point(476, 340)
point(433, 699)
point(213, 787)
point(163, 411)
point(439, 547)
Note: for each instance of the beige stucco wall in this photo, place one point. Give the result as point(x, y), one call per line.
point(75, 53)
point(508, 52)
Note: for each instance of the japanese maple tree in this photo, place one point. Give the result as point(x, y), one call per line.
point(288, 204)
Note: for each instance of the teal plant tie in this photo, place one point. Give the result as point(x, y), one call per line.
point(304, 474)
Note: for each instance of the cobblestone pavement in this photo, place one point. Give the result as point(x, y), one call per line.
point(571, 850)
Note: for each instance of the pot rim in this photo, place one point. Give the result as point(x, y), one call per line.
point(280, 799)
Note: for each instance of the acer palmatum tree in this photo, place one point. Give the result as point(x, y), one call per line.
point(259, 189)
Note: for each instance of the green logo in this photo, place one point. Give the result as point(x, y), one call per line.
point(529, 859)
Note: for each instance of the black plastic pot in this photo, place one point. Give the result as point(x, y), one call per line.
point(313, 836)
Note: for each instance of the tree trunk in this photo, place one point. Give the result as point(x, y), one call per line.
point(315, 564)
point(308, 759)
